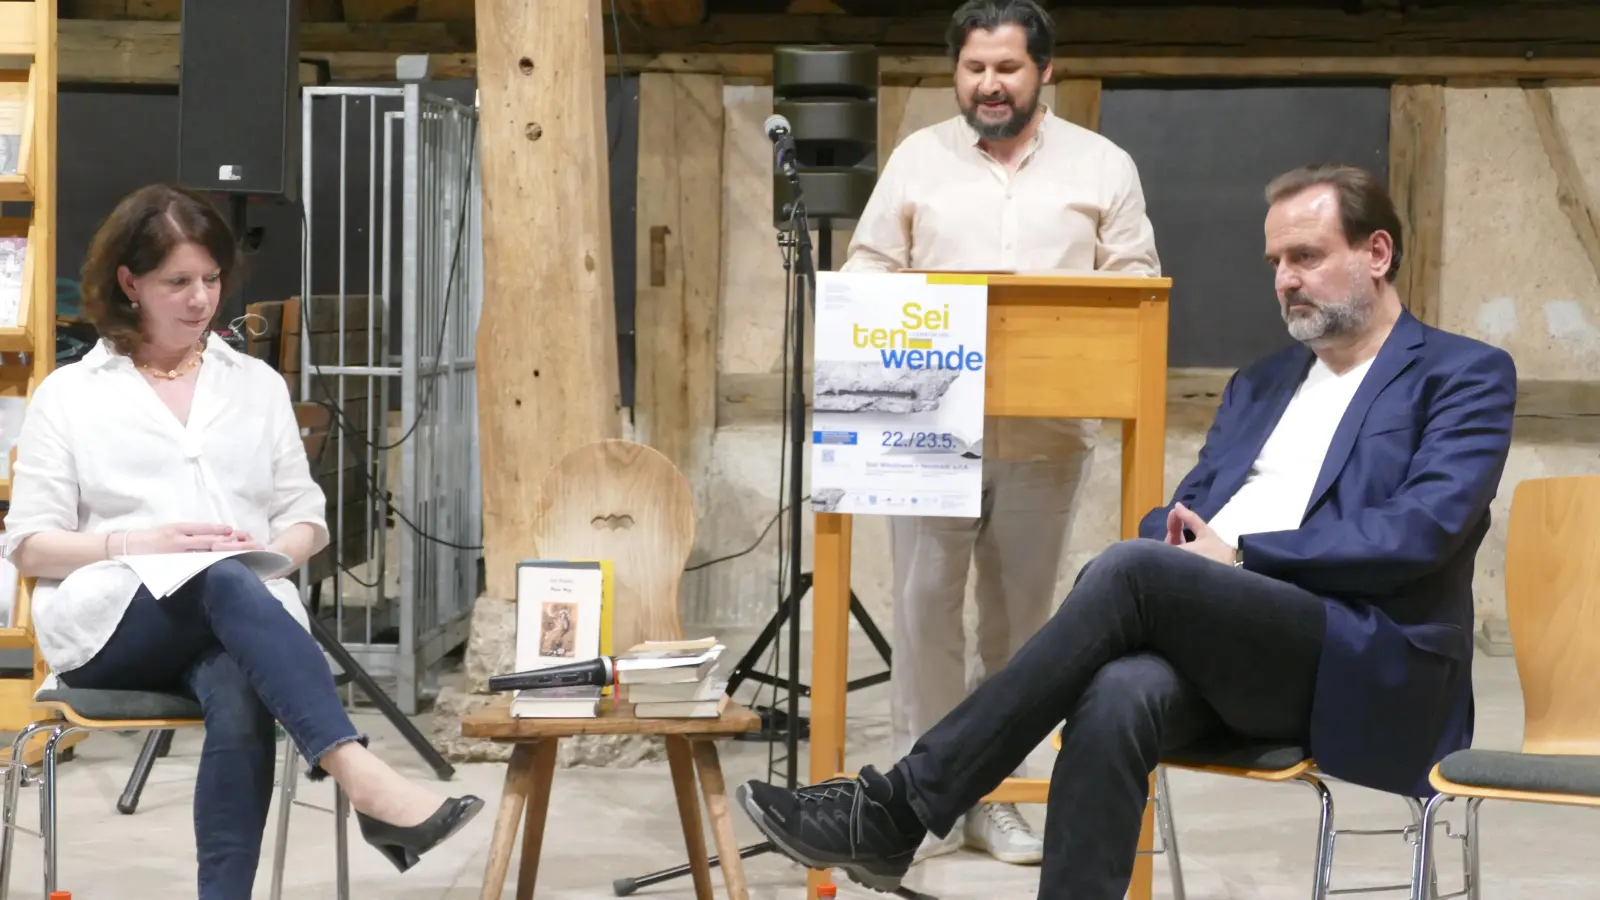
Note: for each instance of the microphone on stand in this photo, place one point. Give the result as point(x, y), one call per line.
point(782, 137)
point(598, 672)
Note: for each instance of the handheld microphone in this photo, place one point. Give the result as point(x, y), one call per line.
point(779, 133)
point(598, 672)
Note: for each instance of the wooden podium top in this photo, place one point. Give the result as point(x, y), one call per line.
point(1075, 345)
point(1011, 288)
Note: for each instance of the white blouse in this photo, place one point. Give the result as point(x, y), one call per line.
point(100, 453)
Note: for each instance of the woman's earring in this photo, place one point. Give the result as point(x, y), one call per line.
point(134, 304)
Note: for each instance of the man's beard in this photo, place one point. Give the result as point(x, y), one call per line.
point(1326, 322)
point(1004, 130)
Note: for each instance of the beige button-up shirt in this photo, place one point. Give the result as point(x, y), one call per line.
point(942, 203)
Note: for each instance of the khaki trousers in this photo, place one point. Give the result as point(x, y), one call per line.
point(1017, 542)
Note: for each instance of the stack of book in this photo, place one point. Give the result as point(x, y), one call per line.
point(673, 679)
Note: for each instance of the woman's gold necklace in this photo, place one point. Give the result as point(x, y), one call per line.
point(183, 369)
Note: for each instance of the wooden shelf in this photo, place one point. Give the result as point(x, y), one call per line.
point(28, 58)
point(19, 32)
point(16, 340)
point(17, 188)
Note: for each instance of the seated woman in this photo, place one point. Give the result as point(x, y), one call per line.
point(164, 439)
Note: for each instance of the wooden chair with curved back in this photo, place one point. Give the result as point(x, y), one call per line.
point(1553, 610)
point(627, 503)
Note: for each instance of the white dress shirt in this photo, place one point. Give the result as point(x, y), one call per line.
point(100, 453)
point(942, 203)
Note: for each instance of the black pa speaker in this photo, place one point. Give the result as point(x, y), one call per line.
point(239, 97)
point(829, 94)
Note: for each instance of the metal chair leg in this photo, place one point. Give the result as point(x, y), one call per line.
point(1415, 806)
point(16, 775)
point(1474, 890)
point(47, 804)
point(286, 787)
point(156, 745)
point(1169, 833)
point(341, 841)
point(1422, 855)
point(1323, 875)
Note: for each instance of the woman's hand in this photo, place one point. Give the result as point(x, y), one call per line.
point(239, 540)
point(180, 537)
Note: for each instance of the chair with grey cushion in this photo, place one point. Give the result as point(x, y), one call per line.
point(1552, 607)
point(75, 709)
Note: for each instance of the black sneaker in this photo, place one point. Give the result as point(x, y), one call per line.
point(841, 823)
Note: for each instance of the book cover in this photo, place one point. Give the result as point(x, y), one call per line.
point(564, 611)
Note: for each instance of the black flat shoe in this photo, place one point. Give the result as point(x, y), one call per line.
point(404, 846)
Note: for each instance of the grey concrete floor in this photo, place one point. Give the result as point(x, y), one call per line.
point(1238, 840)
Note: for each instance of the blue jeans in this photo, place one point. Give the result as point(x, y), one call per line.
point(225, 640)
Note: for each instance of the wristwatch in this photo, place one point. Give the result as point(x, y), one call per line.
point(1238, 556)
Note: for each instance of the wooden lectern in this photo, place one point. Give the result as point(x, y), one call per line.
point(1086, 346)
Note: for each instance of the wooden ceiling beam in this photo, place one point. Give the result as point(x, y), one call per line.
point(1557, 31)
point(659, 13)
point(171, 10)
point(147, 52)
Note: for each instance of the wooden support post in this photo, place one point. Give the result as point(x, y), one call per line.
point(679, 267)
point(1416, 182)
point(547, 339)
point(1572, 192)
point(1078, 101)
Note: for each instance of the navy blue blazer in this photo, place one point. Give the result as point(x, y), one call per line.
point(1388, 540)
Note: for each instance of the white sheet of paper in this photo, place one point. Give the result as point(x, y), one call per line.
point(164, 573)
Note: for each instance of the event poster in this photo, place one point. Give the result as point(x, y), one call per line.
point(897, 409)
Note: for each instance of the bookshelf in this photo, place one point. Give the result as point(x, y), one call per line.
point(28, 54)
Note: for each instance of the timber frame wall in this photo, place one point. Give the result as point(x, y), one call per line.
point(1418, 50)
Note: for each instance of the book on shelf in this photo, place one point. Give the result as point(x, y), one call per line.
point(564, 610)
point(13, 265)
point(13, 112)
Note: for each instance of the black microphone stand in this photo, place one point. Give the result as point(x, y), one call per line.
point(800, 263)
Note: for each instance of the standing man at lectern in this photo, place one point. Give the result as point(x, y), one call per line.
point(1310, 583)
point(1006, 185)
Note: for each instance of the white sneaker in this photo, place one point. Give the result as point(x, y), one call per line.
point(933, 845)
point(999, 830)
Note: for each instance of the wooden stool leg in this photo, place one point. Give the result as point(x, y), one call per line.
point(681, 758)
point(544, 770)
point(519, 777)
point(710, 771)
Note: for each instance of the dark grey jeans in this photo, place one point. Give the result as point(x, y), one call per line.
point(1154, 649)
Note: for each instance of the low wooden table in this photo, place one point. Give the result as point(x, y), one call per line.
point(691, 748)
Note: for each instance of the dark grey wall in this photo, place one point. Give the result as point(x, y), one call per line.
point(1205, 153)
point(113, 141)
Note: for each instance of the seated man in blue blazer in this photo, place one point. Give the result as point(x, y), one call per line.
point(1310, 583)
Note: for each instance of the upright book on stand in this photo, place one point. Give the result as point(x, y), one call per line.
point(563, 616)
